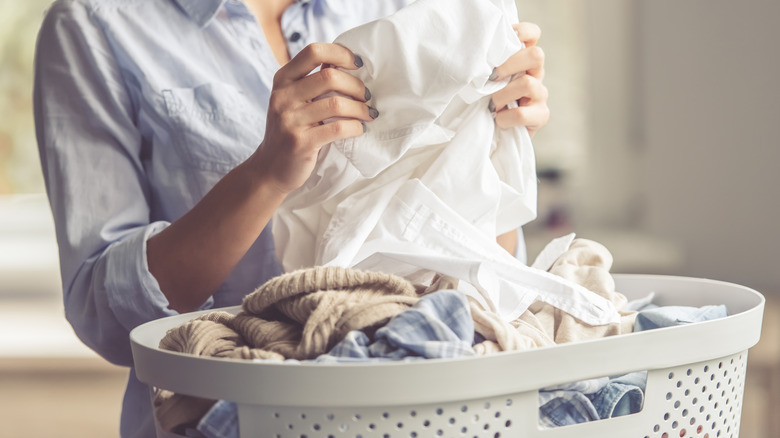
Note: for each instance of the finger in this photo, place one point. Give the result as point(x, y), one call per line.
point(528, 33)
point(313, 56)
point(338, 130)
point(528, 60)
point(529, 116)
point(525, 86)
point(330, 80)
point(538, 74)
point(334, 106)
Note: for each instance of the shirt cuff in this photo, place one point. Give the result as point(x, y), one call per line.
point(134, 295)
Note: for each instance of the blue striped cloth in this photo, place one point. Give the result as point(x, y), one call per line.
point(438, 326)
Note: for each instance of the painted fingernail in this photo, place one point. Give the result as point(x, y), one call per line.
point(373, 113)
point(368, 95)
point(493, 76)
point(358, 61)
point(364, 127)
point(492, 106)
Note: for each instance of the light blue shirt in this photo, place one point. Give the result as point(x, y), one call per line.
point(141, 106)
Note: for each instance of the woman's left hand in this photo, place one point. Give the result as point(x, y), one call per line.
point(526, 88)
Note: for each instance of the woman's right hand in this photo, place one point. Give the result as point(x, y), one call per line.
point(296, 126)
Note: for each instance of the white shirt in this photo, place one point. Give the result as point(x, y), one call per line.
point(433, 181)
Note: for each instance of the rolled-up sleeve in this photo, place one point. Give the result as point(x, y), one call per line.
point(91, 153)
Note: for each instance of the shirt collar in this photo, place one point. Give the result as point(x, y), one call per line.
point(200, 11)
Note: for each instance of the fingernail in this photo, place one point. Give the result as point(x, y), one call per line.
point(358, 61)
point(492, 106)
point(373, 113)
point(368, 95)
point(364, 127)
point(493, 76)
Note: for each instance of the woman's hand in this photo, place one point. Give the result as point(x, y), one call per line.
point(298, 123)
point(526, 88)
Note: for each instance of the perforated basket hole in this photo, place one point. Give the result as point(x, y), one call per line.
point(702, 400)
point(480, 418)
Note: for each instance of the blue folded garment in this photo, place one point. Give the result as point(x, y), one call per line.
point(669, 316)
point(438, 326)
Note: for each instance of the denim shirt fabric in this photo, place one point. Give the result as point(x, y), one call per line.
point(141, 106)
point(566, 408)
point(623, 395)
point(603, 398)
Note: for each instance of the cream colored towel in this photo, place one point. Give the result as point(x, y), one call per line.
point(586, 263)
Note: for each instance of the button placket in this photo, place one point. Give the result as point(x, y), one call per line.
point(293, 26)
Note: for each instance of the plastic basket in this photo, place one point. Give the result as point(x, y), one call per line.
point(695, 383)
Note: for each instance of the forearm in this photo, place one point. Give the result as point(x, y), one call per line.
point(508, 241)
point(196, 253)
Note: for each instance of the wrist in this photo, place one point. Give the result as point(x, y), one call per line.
point(259, 180)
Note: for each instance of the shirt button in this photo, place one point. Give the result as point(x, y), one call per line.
point(295, 37)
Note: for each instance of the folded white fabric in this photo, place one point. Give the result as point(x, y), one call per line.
point(433, 181)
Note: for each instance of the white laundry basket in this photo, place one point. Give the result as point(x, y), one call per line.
point(696, 376)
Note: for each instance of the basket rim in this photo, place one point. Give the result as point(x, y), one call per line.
point(431, 380)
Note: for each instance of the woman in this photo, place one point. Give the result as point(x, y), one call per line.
point(149, 115)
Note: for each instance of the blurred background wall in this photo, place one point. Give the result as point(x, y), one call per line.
point(708, 113)
point(676, 139)
point(662, 145)
point(19, 169)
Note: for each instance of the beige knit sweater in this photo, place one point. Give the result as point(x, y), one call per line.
point(299, 315)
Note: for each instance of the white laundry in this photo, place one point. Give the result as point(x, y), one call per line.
point(433, 181)
point(550, 253)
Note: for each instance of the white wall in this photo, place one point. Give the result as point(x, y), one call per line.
point(711, 111)
point(591, 136)
point(607, 188)
point(684, 111)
